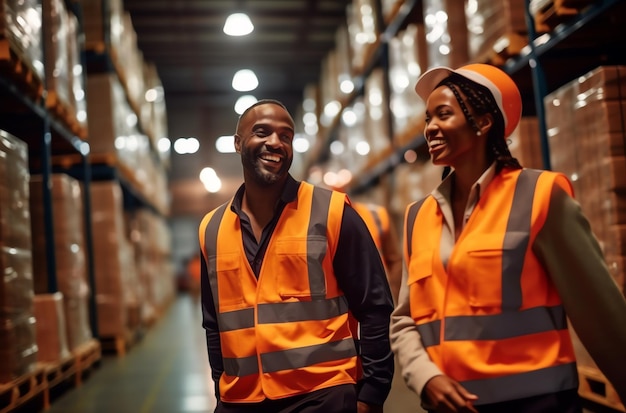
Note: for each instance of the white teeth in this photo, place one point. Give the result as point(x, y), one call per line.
point(271, 158)
point(435, 142)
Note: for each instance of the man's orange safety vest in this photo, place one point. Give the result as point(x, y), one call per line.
point(491, 318)
point(286, 333)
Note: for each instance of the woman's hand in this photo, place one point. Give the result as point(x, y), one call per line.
point(445, 395)
point(368, 408)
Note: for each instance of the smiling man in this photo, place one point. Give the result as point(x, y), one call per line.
point(285, 267)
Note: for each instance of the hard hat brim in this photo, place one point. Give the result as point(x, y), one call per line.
point(430, 79)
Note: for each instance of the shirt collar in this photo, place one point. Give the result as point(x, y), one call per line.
point(289, 194)
point(444, 189)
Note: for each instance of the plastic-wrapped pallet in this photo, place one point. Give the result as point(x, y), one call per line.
point(446, 33)
point(585, 120)
point(69, 251)
point(18, 352)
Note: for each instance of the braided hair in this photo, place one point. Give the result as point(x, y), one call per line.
point(482, 102)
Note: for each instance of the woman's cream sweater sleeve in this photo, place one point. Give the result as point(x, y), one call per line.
point(415, 364)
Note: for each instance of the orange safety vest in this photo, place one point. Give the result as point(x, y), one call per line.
point(492, 319)
point(286, 333)
point(376, 218)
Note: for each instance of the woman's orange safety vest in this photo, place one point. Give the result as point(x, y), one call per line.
point(286, 333)
point(492, 319)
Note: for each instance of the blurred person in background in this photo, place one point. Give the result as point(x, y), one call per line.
point(193, 273)
point(284, 264)
point(498, 257)
point(385, 236)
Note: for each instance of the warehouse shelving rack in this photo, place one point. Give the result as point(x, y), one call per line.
point(570, 49)
point(24, 115)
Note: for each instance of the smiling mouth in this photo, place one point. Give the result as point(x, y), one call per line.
point(436, 142)
point(271, 158)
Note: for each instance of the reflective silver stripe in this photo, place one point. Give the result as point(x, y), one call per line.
point(302, 311)
point(511, 323)
point(430, 333)
point(495, 327)
point(240, 367)
point(516, 239)
point(235, 320)
point(307, 356)
point(506, 325)
point(210, 246)
point(410, 219)
point(316, 251)
point(543, 381)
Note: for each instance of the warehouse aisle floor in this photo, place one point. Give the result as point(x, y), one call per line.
point(167, 371)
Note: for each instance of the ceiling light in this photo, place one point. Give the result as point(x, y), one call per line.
point(225, 144)
point(210, 180)
point(186, 145)
point(245, 80)
point(301, 144)
point(164, 144)
point(238, 24)
point(244, 102)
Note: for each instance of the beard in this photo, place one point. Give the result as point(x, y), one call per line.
point(258, 173)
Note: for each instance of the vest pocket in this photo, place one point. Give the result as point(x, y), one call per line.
point(228, 267)
point(420, 281)
point(300, 273)
point(499, 257)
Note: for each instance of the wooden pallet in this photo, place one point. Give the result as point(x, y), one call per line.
point(119, 344)
point(87, 355)
point(22, 390)
point(17, 68)
point(55, 374)
point(550, 13)
point(69, 160)
point(61, 110)
point(595, 387)
point(507, 46)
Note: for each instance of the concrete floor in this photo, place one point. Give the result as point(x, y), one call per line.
point(168, 372)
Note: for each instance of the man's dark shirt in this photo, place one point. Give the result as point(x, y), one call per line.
point(360, 275)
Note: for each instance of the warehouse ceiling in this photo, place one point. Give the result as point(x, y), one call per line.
point(195, 58)
point(196, 62)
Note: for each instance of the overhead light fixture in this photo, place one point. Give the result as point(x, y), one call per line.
point(245, 80)
point(238, 24)
point(225, 144)
point(243, 103)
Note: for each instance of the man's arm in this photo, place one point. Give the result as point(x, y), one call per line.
point(361, 275)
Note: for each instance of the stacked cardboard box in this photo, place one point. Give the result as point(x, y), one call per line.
point(20, 31)
point(587, 119)
point(102, 22)
point(364, 31)
point(408, 59)
point(18, 352)
point(150, 237)
point(525, 143)
point(69, 251)
point(115, 270)
point(446, 33)
point(51, 338)
point(496, 29)
point(55, 24)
